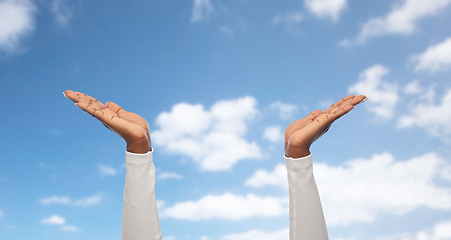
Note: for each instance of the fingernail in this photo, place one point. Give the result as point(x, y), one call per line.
point(366, 98)
point(65, 96)
point(106, 104)
point(76, 104)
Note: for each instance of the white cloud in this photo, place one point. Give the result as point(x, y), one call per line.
point(401, 20)
point(273, 134)
point(107, 170)
point(201, 10)
point(226, 31)
point(435, 118)
point(168, 175)
point(258, 234)
point(361, 189)
point(383, 95)
point(413, 87)
point(440, 231)
point(227, 206)
point(326, 8)
point(161, 204)
point(54, 219)
point(70, 228)
point(88, 201)
point(16, 21)
point(262, 178)
point(61, 12)
point(57, 220)
point(55, 200)
point(285, 110)
point(288, 18)
point(420, 94)
point(85, 202)
point(436, 58)
point(214, 138)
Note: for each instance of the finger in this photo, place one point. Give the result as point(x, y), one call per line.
point(110, 111)
point(347, 101)
point(71, 95)
point(116, 108)
point(112, 121)
point(322, 120)
point(106, 116)
point(353, 101)
point(338, 103)
point(77, 96)
point(302, 122)
point(94, 101)
point(334, 114)
point(92, 110)
point(122, 113)
point(81, 97)
point(103, 115)
point(90, 100)
point(313, 115)
point(340, 112)
point(359, 99)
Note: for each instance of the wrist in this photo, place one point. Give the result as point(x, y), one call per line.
point(140, 147)
point(297, 152)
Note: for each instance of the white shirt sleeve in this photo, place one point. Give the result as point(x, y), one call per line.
point(306, 214)
point(139, 212)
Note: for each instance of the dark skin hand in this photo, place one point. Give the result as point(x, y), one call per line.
point(130, 126)
point(301, 134)
point(134, 129)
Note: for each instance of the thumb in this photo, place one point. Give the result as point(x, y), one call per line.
point(122, 113)
point(113, 106)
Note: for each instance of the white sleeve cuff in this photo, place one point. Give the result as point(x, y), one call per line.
point(138, 158)
point(303, 162)
point(298, 159)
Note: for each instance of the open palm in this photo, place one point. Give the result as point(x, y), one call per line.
point(130, 126)
point(301, 134)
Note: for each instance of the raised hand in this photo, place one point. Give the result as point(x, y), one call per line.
point(130, 126)
point(301, 134)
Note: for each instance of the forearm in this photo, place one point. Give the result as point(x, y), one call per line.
point(139, 213)
point(306, 214)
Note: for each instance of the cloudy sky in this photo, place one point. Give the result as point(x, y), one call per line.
point(218, 82)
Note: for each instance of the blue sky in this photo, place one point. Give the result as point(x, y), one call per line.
point(218, 82)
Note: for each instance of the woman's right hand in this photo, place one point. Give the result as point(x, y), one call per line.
point(301, 134)
point(130, 126)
